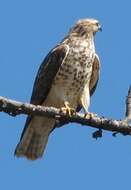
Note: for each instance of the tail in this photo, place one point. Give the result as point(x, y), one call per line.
point(35, 138)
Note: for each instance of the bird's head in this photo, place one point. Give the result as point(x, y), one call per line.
point(85, 27)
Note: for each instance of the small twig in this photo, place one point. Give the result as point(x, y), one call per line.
point(14, 108)
point(128, 111)
point(128, 104)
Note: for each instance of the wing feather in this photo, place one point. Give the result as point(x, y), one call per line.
point(46, 73)
point(95, 75)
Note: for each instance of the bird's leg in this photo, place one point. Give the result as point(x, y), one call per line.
point(67, 109)
point(85, 102)
point(84, 106)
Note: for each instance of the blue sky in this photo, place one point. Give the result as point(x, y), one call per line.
point(73, 160)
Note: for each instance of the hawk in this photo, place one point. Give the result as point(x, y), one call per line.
point(66, 79)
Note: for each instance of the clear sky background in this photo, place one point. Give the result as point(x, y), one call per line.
point(73, 160)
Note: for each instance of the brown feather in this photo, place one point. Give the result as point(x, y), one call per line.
point(45, 76)
point(95, 75)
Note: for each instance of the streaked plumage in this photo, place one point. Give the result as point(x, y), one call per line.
point(68, 76)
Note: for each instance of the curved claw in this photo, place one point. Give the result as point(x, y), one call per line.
point(68, 109)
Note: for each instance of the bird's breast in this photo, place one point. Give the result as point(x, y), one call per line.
point(73, 75)
point(76, 69)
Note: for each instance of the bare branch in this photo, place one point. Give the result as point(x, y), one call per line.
point(14, 108)
point(128, 104)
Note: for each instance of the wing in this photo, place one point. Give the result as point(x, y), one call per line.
point(95, 75)
point(46, 74)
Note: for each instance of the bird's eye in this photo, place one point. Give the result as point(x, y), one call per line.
point(97, 24)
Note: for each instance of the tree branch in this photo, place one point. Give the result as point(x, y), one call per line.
point(14, 108)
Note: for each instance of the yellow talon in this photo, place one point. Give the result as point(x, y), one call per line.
point(89, 115)
point(67, 109)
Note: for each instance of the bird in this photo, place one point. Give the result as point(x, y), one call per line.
point(66, 79)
